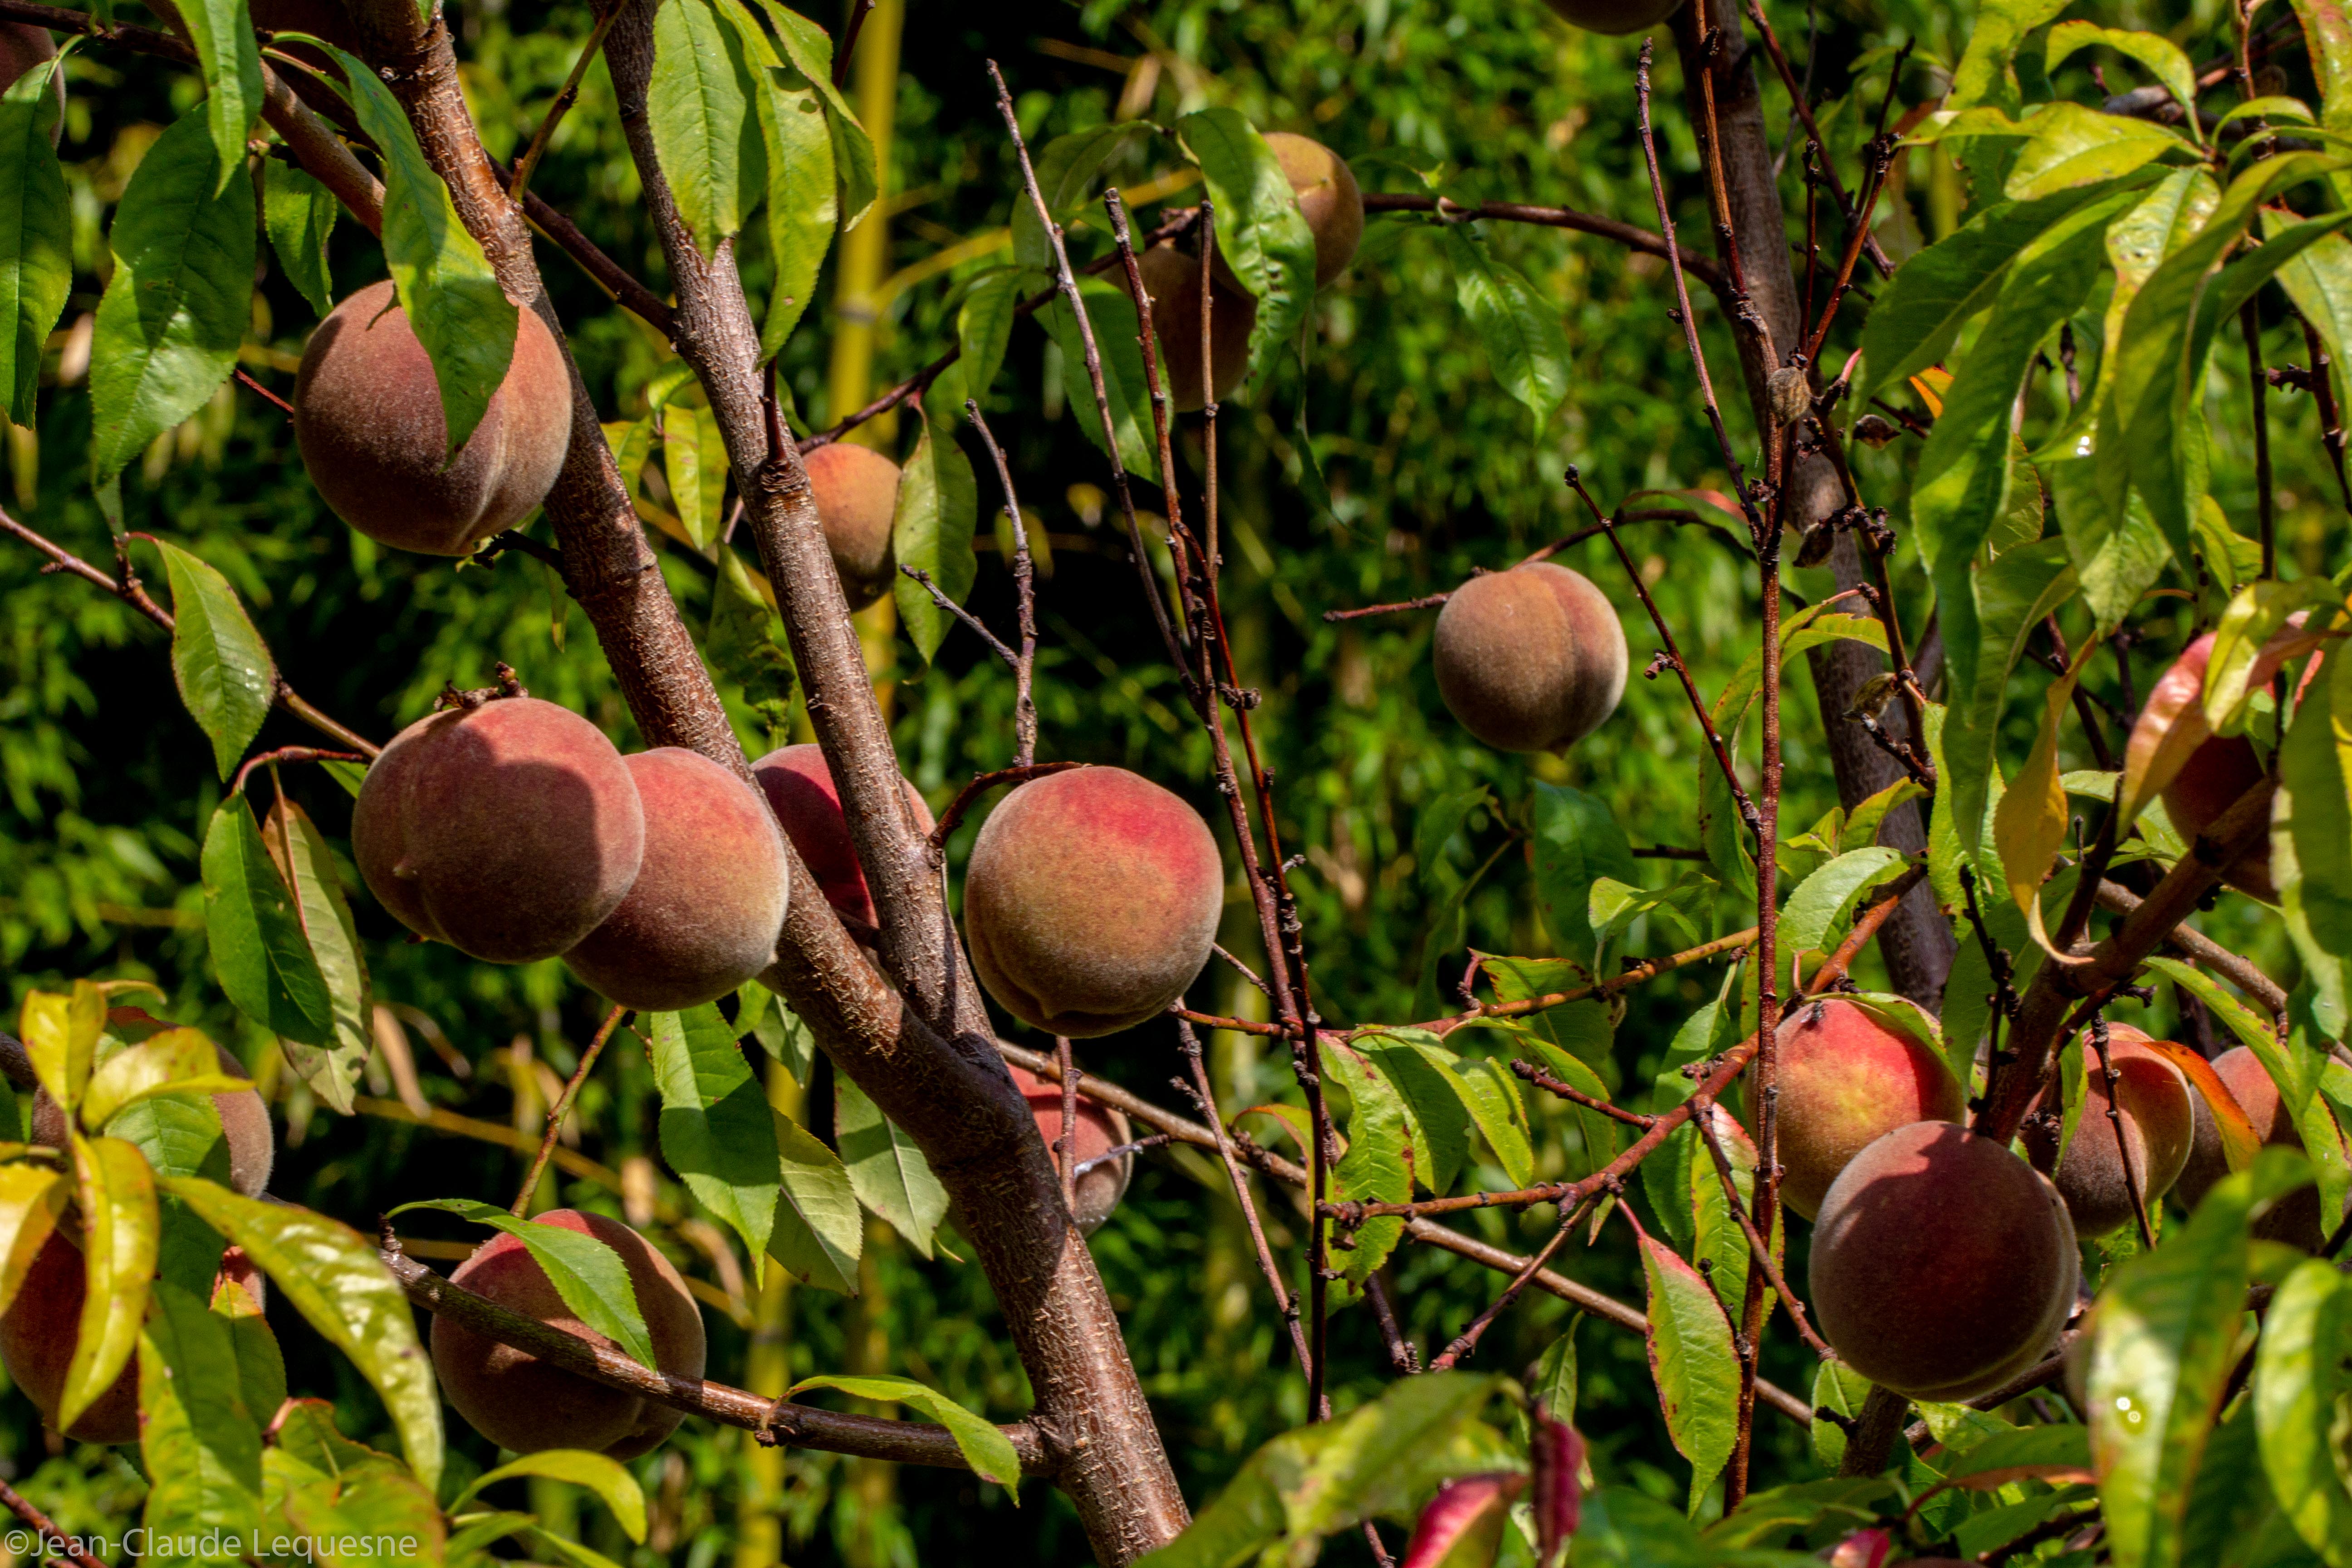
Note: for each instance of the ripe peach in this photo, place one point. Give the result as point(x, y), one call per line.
point(519, 1402)
point(2293, 1219)
point(2207, 785)
point(245, 1128)
point(509, 830)
point(708, 902)
point(1091, 900)
point(800, 791)
point(1846, 1080)
point(1327, 198)
point(2158, 1122)
point(368, 420)
point(1101, 1128)
point(1615, 16)
point(1942, 1263)
point(36, 1343)
point(1172, 281)
point(856, 492)
point(22, 47)
point(1530, 659)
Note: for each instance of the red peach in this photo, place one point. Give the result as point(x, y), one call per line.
point(857, 490)
point(1846, 1080)
point(1101, 1128)
point(798, 786)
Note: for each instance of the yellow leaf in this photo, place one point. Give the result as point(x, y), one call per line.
point(177, 1061)
point(120, 1227)
point(61, 1037)
point(31, 1199)
point(1931, 385)
point(2029, 826)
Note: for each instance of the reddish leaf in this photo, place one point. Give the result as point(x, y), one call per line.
point(1462, 1525)
point(1556, 1453)
point(1863, 1549)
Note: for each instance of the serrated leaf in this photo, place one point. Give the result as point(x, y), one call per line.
point(716, 1126)
point(1526, 350)
point(606, 1478)
point(263, 961)
point(220, 662)
point(819, 1230)
point(331, 1275)
point(230, 61)
point(177, 1061)
point(300, 214)
point(2074, 145)
point(1494, 1102)
point(984, 329)
point(887, 1170)
point(984, 1447)
point(1823, 897)
point(60, 1035)
point(1373, 1168)
point(1261, 234)
point(802, 199)
point(1436, 1101)
point(464, 319)
point(180, 301)
point(1112, 315)
point(1692, 1363)
point(35, 235)
point(587, 1274)
point(116, 1194)
point(334, 938)
point(201, 1442)
point(810, 51)
point(2160, 55)
point(937, 509)
point(705, 130)
point(1577, 842)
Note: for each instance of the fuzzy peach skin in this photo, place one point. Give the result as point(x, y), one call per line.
point(1942, 1263)
point(1531, 659)
point(2159, 1128)
point(509, 831)
point(368, 420)
point(1847, 1079)
point(519, 1402)
point(857, 490)
point(798, 786)
point(36, 1343)
point(1172, 281)
point(708, 902)
point(1328, 199)
point(2295, 1218)
point(1091, 900)
point(1101, 1128)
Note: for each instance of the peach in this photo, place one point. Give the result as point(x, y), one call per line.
point(2207, 785)
point(857, 490)
point(368, 420)
point(2158, 1127)
point(1101, 1128)
point(519, 1402)
point(1942, 1263)
point(1172, 281)
point(22, 47)
point(1530, 659)
point(709, 901)
point(508, 830)
point(1327, 198)
point(244, 1127)
point(1615, 16)
point(2293, 1219)
point(798, 786)
point(1846, 1080)
point(1091, 900)
point(36, 1343)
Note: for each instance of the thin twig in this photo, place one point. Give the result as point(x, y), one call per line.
point(66, 1546)
point(519, 186)
point(1065, 1142)
point(1024, 664)
point(980, 784)
point(288, 754)
point(850, 32)
point(1467, 1340)
point(1206, 1099)
point(2113, 1079)
point(1542, 1079)
point(1757, 1248)
point(1631, 236)
point(562, 1108)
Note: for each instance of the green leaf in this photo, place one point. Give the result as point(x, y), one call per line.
point(180, 301)
point(745, 644)
point(348, 1499)
point(1987, 73)
point(300, 214)
point(1691, 1360)
point(693, 462)
point(1261, 234)
point(1577, 842)
point(2160, 55)
point(1823, 898)
point(1964, 472)
point(587, 1274)
point(1526, 350)
point(2166, 1334)
point(888, 1172)
point(1067, 168)
point(984, 328)
point(1553, 1387)
point(2311, 829)
point(803, 201)
point(1492, 1097)
point(116, 1193)
point(230, 60)
point(326, 916)
point(1841, 1391)
point(264, 962)
point(2013, 596)
point(331, 1275)
point(2299, 1388)
point(818, 1229)
point(220, 662)
point(810, 51)
point(2328, 31)
point(177, 1061)
point(937, 509)
point(1716, 1235)
point(706, 132)
point(35, 235)
point(606, 1478)
point(201, 1441)
point(464, 319)
point(2074, 146)
point(716, 1127)
point(1373, 1168)
point(984, 1447)
point(1112, 315)
point(1436, 1100)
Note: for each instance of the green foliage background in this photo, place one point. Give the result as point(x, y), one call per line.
point(105, 784)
